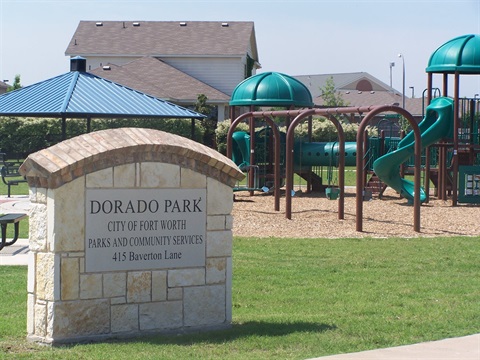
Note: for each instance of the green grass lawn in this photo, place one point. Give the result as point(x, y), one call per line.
point(302, 298)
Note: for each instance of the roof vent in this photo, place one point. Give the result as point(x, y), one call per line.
point(78, 63)
point(99, 24)
point(136, 24)
point(347, 92)
point(359, 92)
point(372, 92)
point(106, 67)
point(225, 24)
point(183, 23)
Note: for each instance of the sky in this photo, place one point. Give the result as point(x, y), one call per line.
point(294, 37)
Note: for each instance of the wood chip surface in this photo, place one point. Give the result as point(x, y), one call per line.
point(314, 216)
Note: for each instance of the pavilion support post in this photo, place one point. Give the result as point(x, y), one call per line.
point(64, 128)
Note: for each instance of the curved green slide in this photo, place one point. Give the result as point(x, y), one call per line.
point(437, 124)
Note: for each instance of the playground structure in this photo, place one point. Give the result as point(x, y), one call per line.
point(445, 145)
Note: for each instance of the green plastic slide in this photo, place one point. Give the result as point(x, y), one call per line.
point(437, 124)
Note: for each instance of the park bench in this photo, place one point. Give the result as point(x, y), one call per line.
point(10, 174)
point(10, 219)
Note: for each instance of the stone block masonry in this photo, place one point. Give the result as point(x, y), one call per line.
point(130, 234)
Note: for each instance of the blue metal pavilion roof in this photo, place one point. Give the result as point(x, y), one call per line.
point(79, 94)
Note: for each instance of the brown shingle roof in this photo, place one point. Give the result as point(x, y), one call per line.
point(366, 98)
point(163, 38)
point(154, 77)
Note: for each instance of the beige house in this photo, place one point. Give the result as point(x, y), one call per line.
point(3, 87)
point(171, 60)
point(361, 89)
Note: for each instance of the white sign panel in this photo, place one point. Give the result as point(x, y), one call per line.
point(137, 229)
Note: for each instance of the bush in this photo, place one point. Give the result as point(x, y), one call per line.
point(222, 131)
point(27, 135)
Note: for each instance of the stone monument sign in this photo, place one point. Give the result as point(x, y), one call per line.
point(130, 233)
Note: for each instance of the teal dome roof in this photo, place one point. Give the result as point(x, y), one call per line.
point(460, 54)
point(271, 89)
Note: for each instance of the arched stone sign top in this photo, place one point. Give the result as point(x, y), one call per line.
point(130, 233)
point(66, 161)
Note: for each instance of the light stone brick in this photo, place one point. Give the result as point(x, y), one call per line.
point(216, 270)
point(81, 318)
point(124, 176)
point(90, 286)
point(100, 179)
point(30, 314)
point(38, 195)
point(31, 279)
point(186, 277)
point(159, 285)
point(192, 180)
point(38, 227)
point(115, 284)
point(229, 222)
point(124, 318)
point(228, 291)
point(68, 206)
point(40, 318)
point(219, 198)
point(161, 315)
point(204, 305)
point(175, 294)
point(70, 276)
point(219, 243)
point(216, 222)
point(159, 175)
point(50, 318)
point(45, 276)
point(139, 285)
point(118, 300)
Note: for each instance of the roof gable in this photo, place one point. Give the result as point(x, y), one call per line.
point(154, 77)
point(163, 38)
point(342, 81)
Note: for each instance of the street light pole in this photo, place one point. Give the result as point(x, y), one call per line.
point(403, 90)
point(413, 91)
point(392, 64)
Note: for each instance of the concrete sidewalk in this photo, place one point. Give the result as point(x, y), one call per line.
point(462, 348)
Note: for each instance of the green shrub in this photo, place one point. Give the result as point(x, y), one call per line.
point(222, 131)
point(27, 135)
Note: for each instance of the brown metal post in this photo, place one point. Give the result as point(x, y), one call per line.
point(426, 184)
point(276, 134)
point(445, 85)
point(456, 122)
point(360, 155)
point(276, 166)
point(442, 171)
point(365, 160)
point(429, 87)
point(289, 161)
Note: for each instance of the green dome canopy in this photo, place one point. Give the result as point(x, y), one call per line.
point(460, 54)
point(271, 89)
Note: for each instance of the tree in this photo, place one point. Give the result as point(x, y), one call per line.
point(331, 98)
point(210, 121)
point(16, 84)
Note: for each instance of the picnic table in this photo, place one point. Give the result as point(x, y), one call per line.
point(10, 219)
